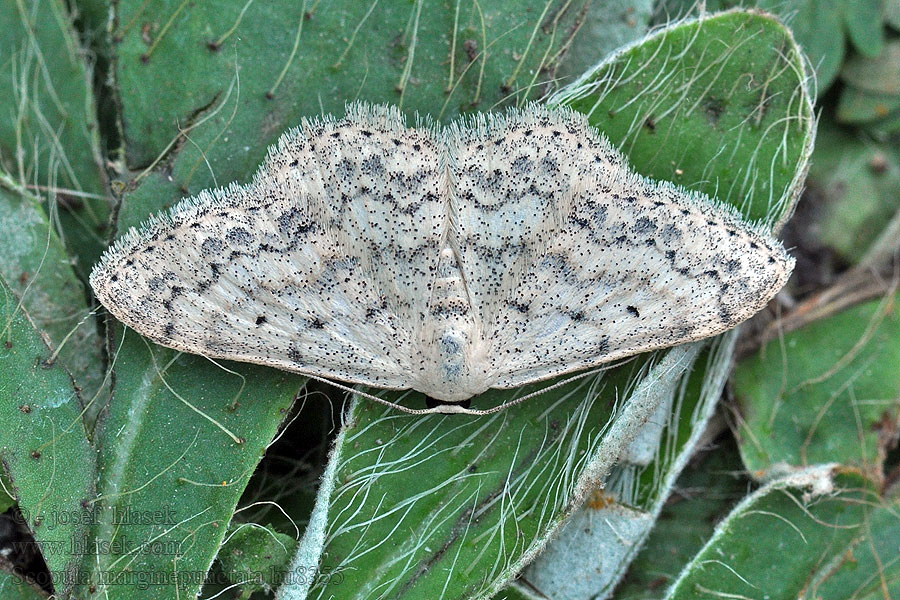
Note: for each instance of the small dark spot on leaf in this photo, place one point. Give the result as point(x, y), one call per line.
point(714, 108)
point(878, 164)
point(471, 48)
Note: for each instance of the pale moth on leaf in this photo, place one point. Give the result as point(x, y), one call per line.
point(492, 253)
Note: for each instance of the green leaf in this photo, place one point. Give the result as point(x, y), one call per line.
point(873, 573)
point(861, 106)
point(6, 498)
point(863, 20)
point(255, 557)
point(15, 588)
point(892, 13)
point(39, 270)
point(817, 534)
point(707, 489)
point(48, 134)
point(854, 181)
point(593, 549)
point(425, 506)
point(167, 449)
point(885, 127)
point(251, 70)
point(607, 26)
point(746, 111)
point(818, 26)
point(827, 392)
point(43, 445)
point(879, 74)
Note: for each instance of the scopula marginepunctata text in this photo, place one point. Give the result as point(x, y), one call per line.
point(492, 253)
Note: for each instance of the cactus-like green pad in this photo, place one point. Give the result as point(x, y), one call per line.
point(15, 588)
point(43, 444)
point(719, 105)
point(820, 533)
point(38, 269)
point(824, 393)
point(48, 131)
point(234, 77)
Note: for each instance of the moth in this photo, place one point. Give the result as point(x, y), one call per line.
point(495, 252)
